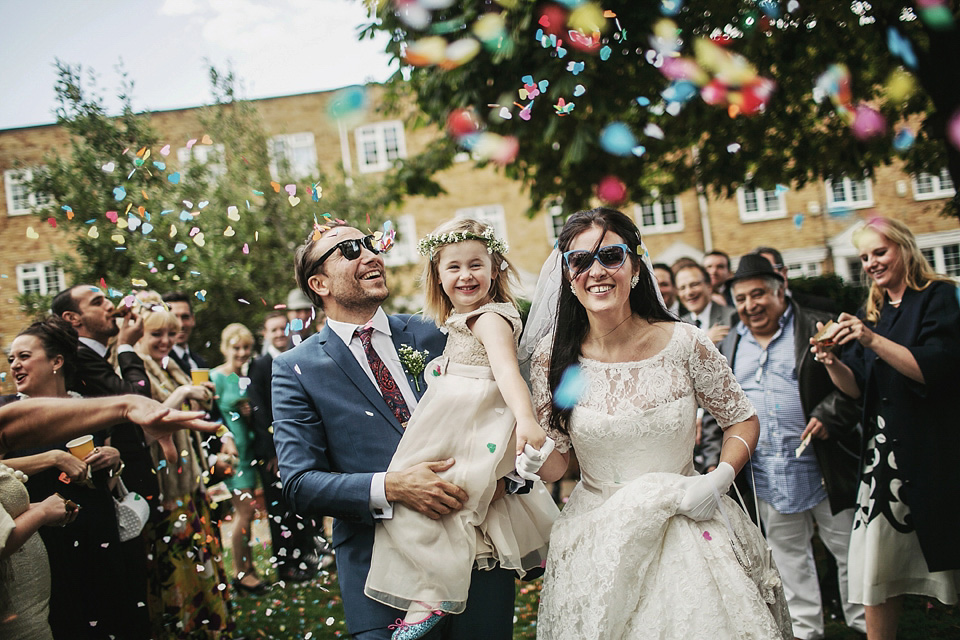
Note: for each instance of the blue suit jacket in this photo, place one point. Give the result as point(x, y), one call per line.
point(333, 431)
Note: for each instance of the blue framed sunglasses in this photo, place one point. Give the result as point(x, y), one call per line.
point(611, 256)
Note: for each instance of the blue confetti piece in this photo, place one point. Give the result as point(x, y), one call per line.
point(903, 140)
point(185, 216)
point(160, 165)
point(605, 52)
point(798, 220)
point(642, 101)
point(119, 193)
point(174, 177)
point(572, 385)
point(671, 7)
point(296, 324)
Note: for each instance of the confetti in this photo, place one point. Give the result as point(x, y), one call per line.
point(617, 139)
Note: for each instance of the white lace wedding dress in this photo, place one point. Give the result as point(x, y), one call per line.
point(621, 563)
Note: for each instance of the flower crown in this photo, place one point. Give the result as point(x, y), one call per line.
point(429, 244)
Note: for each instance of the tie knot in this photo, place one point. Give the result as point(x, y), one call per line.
point(364, 333)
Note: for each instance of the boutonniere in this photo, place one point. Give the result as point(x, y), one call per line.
point(413, 361)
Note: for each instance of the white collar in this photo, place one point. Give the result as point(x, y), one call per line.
point(181, 352)
point(96, 345)
point(273, 351)
point(346, 330)
point(704, 316)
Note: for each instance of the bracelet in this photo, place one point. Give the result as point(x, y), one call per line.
point(749, 452)
point(119, 470)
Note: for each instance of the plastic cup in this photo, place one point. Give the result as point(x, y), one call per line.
point(81, 447)
point(199, 376)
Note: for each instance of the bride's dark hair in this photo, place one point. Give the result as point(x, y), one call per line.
point(572, 322)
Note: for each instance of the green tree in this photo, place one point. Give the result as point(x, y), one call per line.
point(214, 228)
point(792, 141)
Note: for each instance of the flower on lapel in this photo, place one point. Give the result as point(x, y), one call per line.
point(413, 361)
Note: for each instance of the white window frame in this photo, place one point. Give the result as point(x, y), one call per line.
point(804, 262)
point(404, 250)
point(17, 179)
point(303, 140)
point(41, 272)
point(489, 214)
point(939, 263)
point(762, 213)
point(848, 203)
point(658, 226)
point(937, 190)
point(375, 134)
point(555, 213)
point(201, 155)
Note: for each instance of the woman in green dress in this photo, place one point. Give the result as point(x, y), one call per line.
point(230, 378)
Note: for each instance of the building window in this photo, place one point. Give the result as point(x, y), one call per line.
point(849, 194)
point(556, 218)
point(20, 200)
point(659, 216)
point(213, 157)
point(944, 259)
point(293, 155)
point(404, 249)
point(490, 214)
point(761, 204)
point(928, 186)
point(803, 269)
point(39, 277)
point(380, 145)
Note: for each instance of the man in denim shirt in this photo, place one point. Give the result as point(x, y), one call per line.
point(769, 352)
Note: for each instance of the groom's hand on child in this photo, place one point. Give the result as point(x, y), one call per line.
point(421, 489)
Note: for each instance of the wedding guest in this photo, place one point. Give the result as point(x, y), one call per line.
point(24, 569)
point(300, 314)
point(668, 289)
point(185, 357)
point(806, 300)
point(83, 603)
point(797, 403)
point(641, 548)
point(693, 288)
point(188, 566)
point(717, 265)
point(902, 363)
point(236, 345)
point(291, 536)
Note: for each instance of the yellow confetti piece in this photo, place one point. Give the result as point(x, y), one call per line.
point(122, 223)
point(33, 235)
point(173, 231)
point(138, 283)
point(93, 233)
point(229, 232)
point(293, 200)
point(119, 239)
point(199, 240)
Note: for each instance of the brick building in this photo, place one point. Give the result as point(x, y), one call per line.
point(810, 226)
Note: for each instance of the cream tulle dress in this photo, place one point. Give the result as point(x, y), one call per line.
point(462, 415)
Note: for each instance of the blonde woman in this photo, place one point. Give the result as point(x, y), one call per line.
point(188, 565)
point(902, 361)
point(236, 345)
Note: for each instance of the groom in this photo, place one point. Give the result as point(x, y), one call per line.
point(340, 402)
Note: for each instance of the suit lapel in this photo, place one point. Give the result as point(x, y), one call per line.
point(334, 347)
point(403, 336)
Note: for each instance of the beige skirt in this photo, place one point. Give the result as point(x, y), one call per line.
point(415, 559)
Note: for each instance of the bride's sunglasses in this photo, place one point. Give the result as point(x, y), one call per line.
point(611, 256)
point(350, 249)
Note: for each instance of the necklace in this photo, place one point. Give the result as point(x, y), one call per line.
point(896, 301)
point(16, 473)
point(599, 338)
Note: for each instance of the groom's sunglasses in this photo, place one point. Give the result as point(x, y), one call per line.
point(611, 256)
point(350, 249)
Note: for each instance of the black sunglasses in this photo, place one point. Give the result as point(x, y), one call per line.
point(611, 256)
point(350, 249)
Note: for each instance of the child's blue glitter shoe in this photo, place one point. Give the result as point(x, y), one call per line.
point(404, 630)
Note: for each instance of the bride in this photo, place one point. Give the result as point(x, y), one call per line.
point(641, 550)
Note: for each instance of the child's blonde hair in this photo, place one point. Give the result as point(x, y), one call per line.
point(437, 305)
point(232, 334)
point(918, 274)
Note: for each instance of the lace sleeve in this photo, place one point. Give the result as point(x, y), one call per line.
point(542, 398)
point(714, 384)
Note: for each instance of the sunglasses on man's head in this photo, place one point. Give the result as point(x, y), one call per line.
point(611, 256)
point(350, 249)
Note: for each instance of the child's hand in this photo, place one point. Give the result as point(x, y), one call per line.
point(529, 432)
point(529, 462)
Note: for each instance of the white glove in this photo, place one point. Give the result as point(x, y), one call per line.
point(700, 500)
point(530, 461)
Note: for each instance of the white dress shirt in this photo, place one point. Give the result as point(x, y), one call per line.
point(704, 316)
point(382, 341)
point(101, 349)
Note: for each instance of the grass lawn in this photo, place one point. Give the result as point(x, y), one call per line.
point(314, 611)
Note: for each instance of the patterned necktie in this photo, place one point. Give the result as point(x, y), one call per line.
point(388, 386)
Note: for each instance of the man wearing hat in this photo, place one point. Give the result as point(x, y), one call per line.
point(300, 315)
point(797, 485)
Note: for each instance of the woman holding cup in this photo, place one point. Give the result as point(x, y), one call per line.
point(236, 345)
point(81, 472)
point(188, 573)
point(902, 359)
